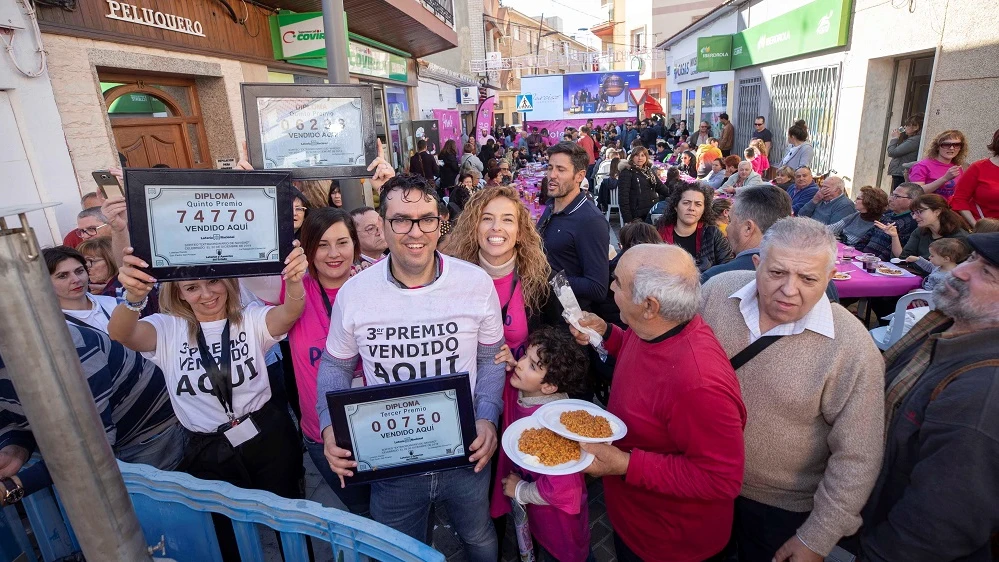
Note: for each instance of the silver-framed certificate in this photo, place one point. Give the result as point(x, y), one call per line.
point(207, 223)
point(399, 429)
point(312, 130)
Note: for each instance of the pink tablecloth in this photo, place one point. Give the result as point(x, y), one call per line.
point(862, 284)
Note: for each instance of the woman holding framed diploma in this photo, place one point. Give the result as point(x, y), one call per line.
point(211, 351)
point(330, 242)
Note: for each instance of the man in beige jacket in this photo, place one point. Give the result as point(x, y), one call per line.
point(814, 397)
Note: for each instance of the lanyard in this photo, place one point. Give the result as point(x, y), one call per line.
point(79, 322)
point(326, 301)
point(219, 373)
point(513, 290)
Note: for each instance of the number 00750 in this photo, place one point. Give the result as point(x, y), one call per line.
point(404, 422)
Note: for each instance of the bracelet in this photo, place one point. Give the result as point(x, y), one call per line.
point(136, 306)
point(301, 298)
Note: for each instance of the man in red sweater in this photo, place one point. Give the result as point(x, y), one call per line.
point(670, 484)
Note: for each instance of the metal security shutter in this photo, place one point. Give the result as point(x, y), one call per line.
point(749, 108)
point(810, 95)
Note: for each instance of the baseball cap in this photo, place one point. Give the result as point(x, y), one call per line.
point(986, 245)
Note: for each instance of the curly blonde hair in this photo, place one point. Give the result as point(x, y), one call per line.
point(759, 145)
point(532, 265)
point(934, 149)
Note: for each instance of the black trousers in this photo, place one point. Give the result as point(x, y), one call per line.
point(625, 554)
point(759, 530)
point(896, 181)
point(271, 461)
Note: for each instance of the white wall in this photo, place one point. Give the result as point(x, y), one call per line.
point(430, 93)
point(34, 161)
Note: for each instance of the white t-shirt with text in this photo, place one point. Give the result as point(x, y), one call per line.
point(189, 386)
point(407, 334)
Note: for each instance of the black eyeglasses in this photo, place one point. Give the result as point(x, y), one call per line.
point(759, 124)
point(405, 225)
point(90, 231)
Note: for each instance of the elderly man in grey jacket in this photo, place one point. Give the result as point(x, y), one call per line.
point(745, 177)
point(830, 203)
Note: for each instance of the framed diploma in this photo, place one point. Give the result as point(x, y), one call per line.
point(405, 428)
point(314, 131)
point(204, 224)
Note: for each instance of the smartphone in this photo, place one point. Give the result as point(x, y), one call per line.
point(107, 184)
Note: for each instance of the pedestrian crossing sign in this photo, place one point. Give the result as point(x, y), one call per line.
point(525, 102)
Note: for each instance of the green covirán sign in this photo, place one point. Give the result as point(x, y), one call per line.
point(820, 25)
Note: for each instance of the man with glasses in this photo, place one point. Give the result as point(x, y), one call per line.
point(435, 315)
point(369, 233)
point(702, 135)
point(898, 214)
point(760, 131)
point(575, 234)
point(91, 223)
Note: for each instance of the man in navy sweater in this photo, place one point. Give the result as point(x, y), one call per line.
point(575, 234)
point(803, 190)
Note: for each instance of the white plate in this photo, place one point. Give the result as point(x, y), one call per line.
point(511, 439)
point(549, 415)
point(841, 276)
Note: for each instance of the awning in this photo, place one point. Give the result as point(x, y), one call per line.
point(427, 69)
point(652, 106)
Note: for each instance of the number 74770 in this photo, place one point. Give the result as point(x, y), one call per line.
point(200, 215)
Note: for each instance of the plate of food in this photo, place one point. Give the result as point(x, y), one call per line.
point(581, 421)
point(890, 271)
point(534, 447)
point(841, 276)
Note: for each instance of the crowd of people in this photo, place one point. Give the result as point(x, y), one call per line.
point(763, 422)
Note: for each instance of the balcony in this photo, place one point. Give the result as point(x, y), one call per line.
point(604, 30)
point(419, 27)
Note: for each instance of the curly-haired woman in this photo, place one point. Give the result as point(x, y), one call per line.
point(856, 229)
point(689, 222)
point(495, 231)
point(944, 162)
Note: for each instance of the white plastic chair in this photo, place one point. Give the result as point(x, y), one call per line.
point(614, 205)
point(896, 328)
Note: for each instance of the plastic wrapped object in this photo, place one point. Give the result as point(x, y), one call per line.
point(572, 312)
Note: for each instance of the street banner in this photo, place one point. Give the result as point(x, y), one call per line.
point(819, 25)
point(429, 131)
point(556, 127)
point(484, 120)
point(449, 122)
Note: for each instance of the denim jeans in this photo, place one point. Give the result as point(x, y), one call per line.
point(353, 498)
point(404, 504)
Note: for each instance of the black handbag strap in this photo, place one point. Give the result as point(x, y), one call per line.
point(752, 350)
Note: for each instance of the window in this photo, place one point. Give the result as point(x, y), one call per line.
point(516, 33)
point(638, 39)
point(516, 118)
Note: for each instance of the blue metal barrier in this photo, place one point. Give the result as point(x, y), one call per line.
point(176, 508)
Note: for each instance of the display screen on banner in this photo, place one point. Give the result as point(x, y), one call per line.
point(428, 130)
point(714, 102)
point(586, 95)
point(714, 53)
point(822, 24)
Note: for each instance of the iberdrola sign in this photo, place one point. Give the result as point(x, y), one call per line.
point(819, 25)
point(301, 39)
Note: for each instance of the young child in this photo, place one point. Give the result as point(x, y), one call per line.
point(945, 254)
point(552, 367)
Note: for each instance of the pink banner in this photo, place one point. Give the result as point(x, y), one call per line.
point(556, 128)
point(484, 120)
point(450, 126)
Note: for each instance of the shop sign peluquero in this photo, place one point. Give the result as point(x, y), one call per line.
point(820, 25)
point(301, 39)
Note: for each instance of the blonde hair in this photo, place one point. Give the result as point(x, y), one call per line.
point(759, 145)
point(532, 265)
point(316, 191)
point(100, 247)
point(171, 303)
point(933, 150)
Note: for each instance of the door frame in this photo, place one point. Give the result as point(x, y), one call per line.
point(137, 85)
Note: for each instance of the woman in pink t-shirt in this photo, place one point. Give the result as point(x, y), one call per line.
point(944, 162)
point(496, 232)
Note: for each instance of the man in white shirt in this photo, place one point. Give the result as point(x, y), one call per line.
point(813, 384)
point(435, 315)
point(369, 233)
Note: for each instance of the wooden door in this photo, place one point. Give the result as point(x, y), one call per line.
point(151, 143)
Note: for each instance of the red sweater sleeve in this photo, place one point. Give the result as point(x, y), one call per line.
point(964, 191)
point(616, 339)
point(707, 425)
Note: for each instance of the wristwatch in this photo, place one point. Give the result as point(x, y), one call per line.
point(12, 490)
